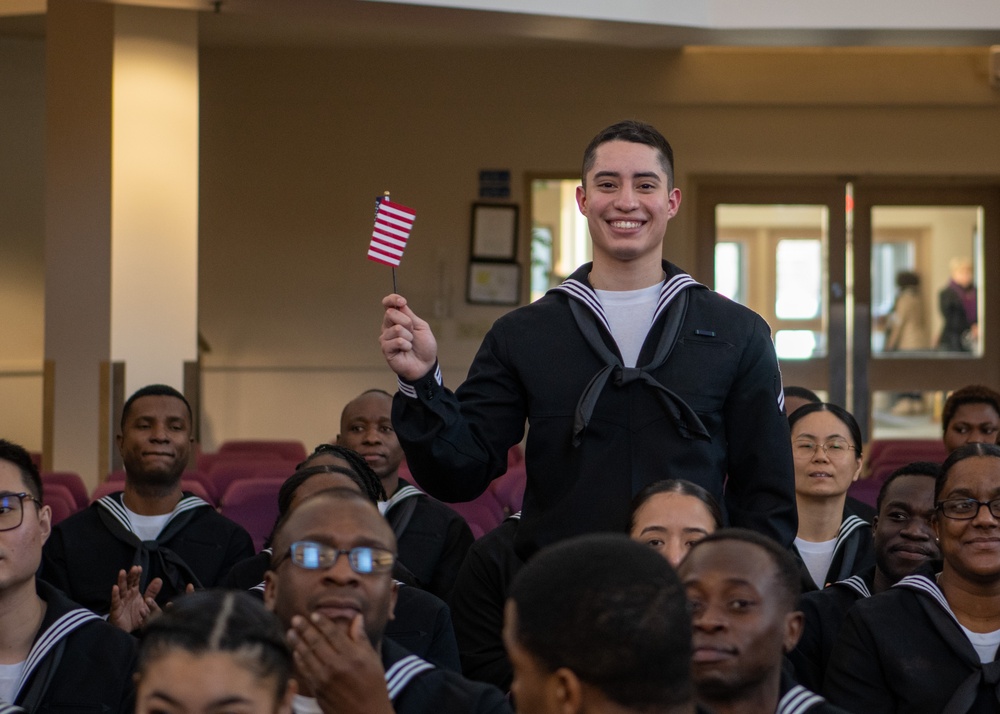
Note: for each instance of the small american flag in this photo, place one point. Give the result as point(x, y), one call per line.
point(393, 223)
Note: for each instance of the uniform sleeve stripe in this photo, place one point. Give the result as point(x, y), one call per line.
point(401, 673)
point(797, 700)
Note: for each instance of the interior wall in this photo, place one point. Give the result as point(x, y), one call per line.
point(295, 143)
point(22, 224)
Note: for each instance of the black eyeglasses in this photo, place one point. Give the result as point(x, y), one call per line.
point(12, 509)
point(363, 560)
point(965, 509)
point(806, 448)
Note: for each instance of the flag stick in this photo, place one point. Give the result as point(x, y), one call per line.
point(395, 290)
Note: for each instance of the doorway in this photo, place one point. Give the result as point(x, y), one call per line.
point(852, 277)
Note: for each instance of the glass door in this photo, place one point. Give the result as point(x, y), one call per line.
point(780, 249)
point(923, 319)
point(877, 294)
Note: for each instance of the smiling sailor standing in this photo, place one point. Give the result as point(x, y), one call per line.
point(628, 372)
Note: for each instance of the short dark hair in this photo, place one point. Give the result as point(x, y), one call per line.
point(355, 460)
point(369, 484)
point(681, 486)
point(842, 414)
point(337, 493)
point(789, 579)
point(802, 393)
point(374, 390)
point(915, 468)
point(971, 394)
point(220, 621)
point(367, 481)
point(962, 453)
point(635, 132)
point(19, 457)
point(155, 390)
point(612, 611)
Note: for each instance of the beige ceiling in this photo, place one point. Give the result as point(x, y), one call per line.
point(360, 22)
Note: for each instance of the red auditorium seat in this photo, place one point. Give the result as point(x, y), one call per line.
point(225, 473)
point(60, 499)
point(71, 481)
point(483, 514)
point(190, 485)
point(286, 449)
point(509, 488)
point(253, 503)
point(502, 497)
point(103, 489)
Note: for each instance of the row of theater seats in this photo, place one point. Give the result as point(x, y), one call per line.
point(242, 479)
point(885, 456)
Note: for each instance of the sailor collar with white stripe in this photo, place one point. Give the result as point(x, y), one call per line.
point(403, 493)
point(798, 700)
point(578, 287)
point(51, 637)
point(924, 585)
point(114, 505)
point(847, 527)
point(857, 584)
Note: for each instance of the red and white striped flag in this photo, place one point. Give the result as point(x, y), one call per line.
point(393, 223)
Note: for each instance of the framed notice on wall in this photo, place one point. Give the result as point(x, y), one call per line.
point(493, 283)
point(494, 231)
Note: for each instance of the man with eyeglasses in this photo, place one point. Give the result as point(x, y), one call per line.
point(54, 654)
point(330, 583)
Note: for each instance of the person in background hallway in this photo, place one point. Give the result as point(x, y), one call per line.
point(628, 372)
point(907, 328)
point(959, 308)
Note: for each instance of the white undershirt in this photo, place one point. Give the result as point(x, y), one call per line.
point(818, 557)
point(305, 705)
point(10, 675)
point(147, 527)
point(986, 643)
point(630, 313)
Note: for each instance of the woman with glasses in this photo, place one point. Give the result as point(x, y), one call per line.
point(833, 542)
point(930, 643)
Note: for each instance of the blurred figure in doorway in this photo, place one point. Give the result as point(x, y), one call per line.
point(958, 304)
